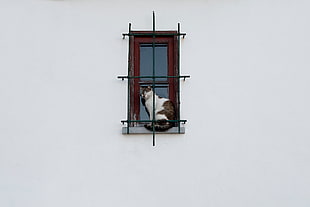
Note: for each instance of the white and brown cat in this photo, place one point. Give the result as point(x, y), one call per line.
point(164, 110)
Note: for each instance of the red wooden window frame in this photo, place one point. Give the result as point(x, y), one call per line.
point(169, 38)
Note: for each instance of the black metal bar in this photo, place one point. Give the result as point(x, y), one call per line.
point(153, 50)
point(128, 84)
point(149, 76)
point(129, 121)
point(178, 95)
point(153, 34)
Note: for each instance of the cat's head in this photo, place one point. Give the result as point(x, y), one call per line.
point(146, 92)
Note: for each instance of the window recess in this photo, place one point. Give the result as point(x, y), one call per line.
point(153, 60)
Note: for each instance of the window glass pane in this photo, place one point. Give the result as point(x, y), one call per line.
point(146, 61)
point(161, 90)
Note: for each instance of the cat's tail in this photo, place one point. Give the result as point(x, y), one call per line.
point(160, 125)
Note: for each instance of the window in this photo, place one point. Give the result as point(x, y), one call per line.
point(165, 63)
point(153, 60)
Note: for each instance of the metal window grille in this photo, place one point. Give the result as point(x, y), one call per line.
point(153, 34)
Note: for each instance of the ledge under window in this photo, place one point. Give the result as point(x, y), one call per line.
point(143, 130)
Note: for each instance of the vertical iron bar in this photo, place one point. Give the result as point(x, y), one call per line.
point(179, 104)
point(128, 81)
point(153, 47)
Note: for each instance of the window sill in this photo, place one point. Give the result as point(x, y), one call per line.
point(142, 130)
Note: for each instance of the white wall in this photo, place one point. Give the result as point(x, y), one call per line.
point(247, 104)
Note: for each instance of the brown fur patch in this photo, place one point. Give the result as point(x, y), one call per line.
point(168, 110)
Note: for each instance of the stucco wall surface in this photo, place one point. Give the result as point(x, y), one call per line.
point(247, 105)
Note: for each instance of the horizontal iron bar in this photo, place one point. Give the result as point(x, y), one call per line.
point(158, 85)
point(129, 121)
point(153, 34)
point(181, 76)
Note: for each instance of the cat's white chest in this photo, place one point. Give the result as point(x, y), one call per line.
point(158, 107)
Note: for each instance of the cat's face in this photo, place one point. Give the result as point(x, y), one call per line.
point(146, 92)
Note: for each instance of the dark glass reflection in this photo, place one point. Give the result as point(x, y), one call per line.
point(146, 61)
